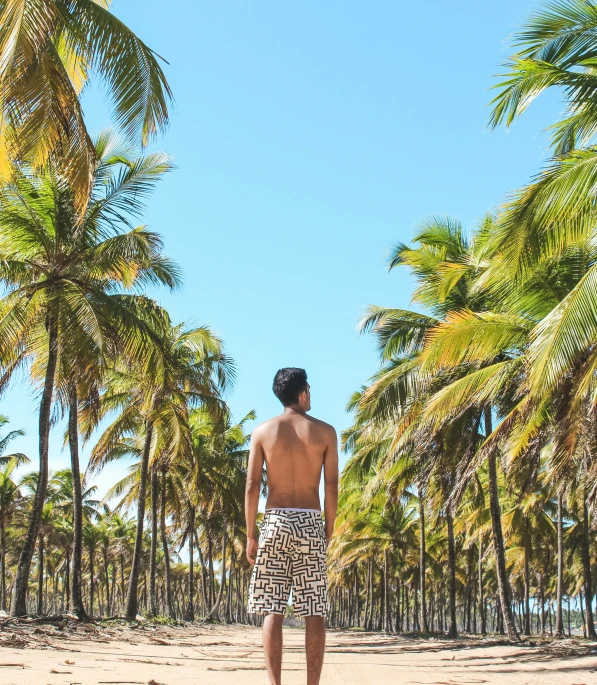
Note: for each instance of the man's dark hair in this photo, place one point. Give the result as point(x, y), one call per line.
point(289, 384)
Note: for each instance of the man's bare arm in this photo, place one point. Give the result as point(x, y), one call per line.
point(252, 490)
point(330, 476)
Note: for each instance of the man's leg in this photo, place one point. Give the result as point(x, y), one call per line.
point(315, 647)
point(272, 645)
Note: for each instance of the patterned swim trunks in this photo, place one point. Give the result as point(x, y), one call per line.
point(291, 555)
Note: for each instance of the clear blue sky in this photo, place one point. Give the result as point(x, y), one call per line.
point(309, 137)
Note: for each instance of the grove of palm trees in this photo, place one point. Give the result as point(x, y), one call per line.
point(468, 500)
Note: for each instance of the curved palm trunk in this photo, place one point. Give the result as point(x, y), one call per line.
point(560, 590)
point(424, 627)
point(452, 629)
point(153, 610)
point(19, 603)
point(498, 538)
point(132, 598)
point(77, 552)
point(169, 603)
point(216, 606)
point(586, 561)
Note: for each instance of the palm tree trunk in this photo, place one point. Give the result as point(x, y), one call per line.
point(527, 579)
point(191, 607)
point(122, 581)
point(386, 594)
point(77, 551)
point(542, 602)
point(91, 577)
point(498, 538)
point(357, 596)
point(452, 628)
point(560, 590)
point(153, 610)
point(108, 602)
point(19, 602)
point(132, 594)
point(168, 572)
point(423, 627)
point(481, 590)
point(67, 578)
point(210, 565)
point(369, 624)
point(367, 595)
point(216, 606)
point(40, 577)
point(591, 634)
point(3, 562)
point(203, 576)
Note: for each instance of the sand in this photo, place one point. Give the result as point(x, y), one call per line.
point(63, 655)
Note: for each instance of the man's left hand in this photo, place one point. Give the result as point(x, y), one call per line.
point(252, 545)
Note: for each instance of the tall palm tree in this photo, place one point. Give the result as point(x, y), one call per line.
point(10, 496)
point(446, 267)
point(154, 403)
point(66, 283)
point(48, 51)
point(10, 500)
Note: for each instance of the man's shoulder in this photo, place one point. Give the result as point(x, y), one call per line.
point(322, 425)
point(265, 426)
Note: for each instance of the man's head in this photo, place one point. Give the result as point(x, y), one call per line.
point(292, 389)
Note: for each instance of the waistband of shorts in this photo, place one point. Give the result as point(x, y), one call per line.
point(289, 511)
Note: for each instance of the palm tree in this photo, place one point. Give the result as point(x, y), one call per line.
point(10, 496)
point(10, 501)
point(555, 46)
point(447, 267)
point(66, 283)
point(48, 50)
point(154, 403)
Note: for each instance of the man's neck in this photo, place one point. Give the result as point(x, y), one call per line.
point(294, 409)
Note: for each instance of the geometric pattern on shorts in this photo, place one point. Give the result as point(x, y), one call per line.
point(291, 556)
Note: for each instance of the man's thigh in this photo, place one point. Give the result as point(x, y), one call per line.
point(309, 584)
point(271, 578)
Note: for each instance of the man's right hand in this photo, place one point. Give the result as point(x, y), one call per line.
point(252, 545)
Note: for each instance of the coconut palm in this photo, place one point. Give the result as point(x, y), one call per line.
point(66, 282)
point(48, 51)
point(10, 500)
point(154, 403)
point(446, 266)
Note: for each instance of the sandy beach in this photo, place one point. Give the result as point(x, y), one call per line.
point(87, 655)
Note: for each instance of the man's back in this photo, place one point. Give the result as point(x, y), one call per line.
point(294, 447)
point(290, 554)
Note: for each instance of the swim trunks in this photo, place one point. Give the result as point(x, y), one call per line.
point(290, 556)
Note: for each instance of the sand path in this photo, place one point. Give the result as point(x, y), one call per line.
point(232, 655)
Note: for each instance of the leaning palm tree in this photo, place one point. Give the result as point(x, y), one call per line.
point(555, 49)
point(48, 51)
point(66, 284)
point(553, 217)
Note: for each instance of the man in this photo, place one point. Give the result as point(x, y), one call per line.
point(291, 550)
